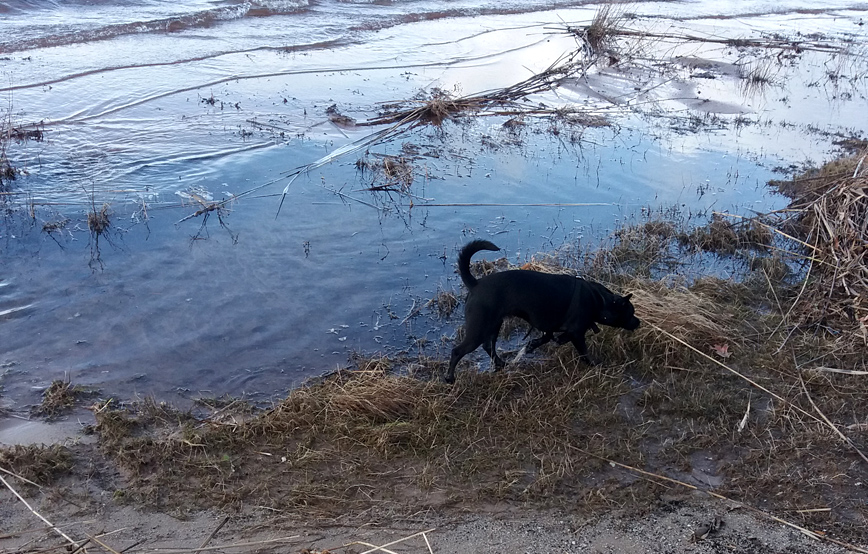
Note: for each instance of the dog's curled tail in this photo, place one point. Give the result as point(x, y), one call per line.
point(464, 260)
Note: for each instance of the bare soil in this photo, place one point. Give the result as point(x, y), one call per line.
point(87, 507)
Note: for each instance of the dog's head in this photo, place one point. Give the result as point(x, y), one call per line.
point(618, 311)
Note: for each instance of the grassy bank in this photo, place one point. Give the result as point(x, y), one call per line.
point(752, 387)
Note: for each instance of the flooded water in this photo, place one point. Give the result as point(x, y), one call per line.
point(155, 109)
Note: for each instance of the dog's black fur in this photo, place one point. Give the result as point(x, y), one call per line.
point(550, 303)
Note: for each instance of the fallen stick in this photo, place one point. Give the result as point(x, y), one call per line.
point(214, 532)
point(767, 391)
point(383, 547)
point(37, 514)
point(803, 530)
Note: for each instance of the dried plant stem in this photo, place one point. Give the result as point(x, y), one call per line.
point(829, 423)
point(806, 532)
point(102, 544)
point(224, 546)
point(214, 532)
point(37, 514)
point(382, 548)
point(821, 419)
point(28, 481)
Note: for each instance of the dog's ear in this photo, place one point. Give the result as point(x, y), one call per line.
point(629, 296)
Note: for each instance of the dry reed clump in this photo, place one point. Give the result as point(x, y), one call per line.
point(688, 315)
point(7, 174)
point(828, 215)
point(481, 268)
point(671, 314)
point(758, 75)
point(40, 464)
point(59, 397)
point(718, 236)
point(443, 303)
point(600, 34)
point(339, 119)
point(388, 173)
point(638, 250)
point(547, 263)
point(440, 107)
point(98, 221)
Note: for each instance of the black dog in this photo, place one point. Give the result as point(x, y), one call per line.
point(550, 303)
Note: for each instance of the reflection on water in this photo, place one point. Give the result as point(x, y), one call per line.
point(168, 312)
point(150, 112)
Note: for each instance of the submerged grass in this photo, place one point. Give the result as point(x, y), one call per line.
point(59, 398)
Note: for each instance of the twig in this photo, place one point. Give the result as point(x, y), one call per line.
point(829, 423)
point(102, 544)
point(428, 544)
point(413, 311)
point(214, 532)
point(28, 481)
point(222, 546)
point(837, 370)
point(806, 532)
point(37, 514)
point(383, 547)
point(375, 548)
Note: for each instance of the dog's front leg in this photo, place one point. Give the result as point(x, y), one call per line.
point(578, 340)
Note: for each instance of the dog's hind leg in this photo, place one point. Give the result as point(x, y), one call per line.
point(468, 345)
point(490, 346)
point(539, 341)
point(476, 334)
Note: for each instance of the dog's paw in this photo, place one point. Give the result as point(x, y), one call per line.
point(449, 379)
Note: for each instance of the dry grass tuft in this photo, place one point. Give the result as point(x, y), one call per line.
point(689, 315)
point(758, 75)
point(98, 221)
point(600, 34)
point(444, 303)
point(40, 464)
point(372, 398)
point(829, 216)
point(59, 397)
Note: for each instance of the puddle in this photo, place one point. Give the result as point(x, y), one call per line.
point(14, 431)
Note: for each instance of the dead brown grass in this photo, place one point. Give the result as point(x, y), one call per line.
point(59, 397)
point(444, 303)
point(829, 218)
point(603, 28)
point(40, 464)
point(98, 221)
point(705, 385)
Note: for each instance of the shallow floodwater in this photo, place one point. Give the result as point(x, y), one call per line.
point(149, 107)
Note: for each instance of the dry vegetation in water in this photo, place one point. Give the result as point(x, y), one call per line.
point(59, 398)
